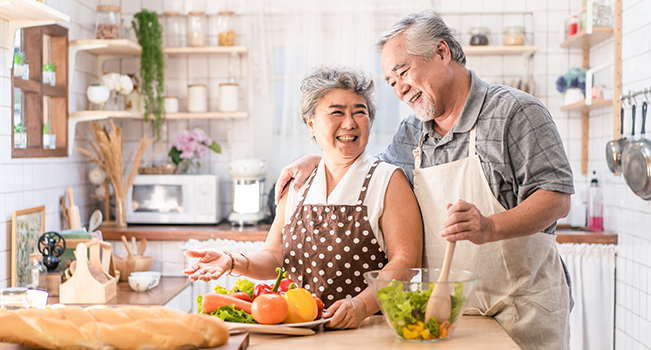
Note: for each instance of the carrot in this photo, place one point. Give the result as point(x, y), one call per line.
point(213, 301)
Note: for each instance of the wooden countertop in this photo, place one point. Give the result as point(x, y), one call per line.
point(166, 290)
point(224, 230)
point(473, 332)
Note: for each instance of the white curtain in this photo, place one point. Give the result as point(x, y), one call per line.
point(289, 37)
point(592, 270)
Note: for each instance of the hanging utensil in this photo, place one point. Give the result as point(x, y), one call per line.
point(631, 140)
point(614, 149)
point(126, 244)
point(638, 162)
point(439, 304)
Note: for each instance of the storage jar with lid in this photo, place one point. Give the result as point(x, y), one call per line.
point(176, 29)
point(225, 30)
point(514, 35)
point(171, 104)
point(479, 36)
point(108, 22)
point(14, 298)
point(197, 28)
point(228, 97)
point(197, 98)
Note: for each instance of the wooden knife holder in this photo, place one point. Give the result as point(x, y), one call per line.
point(83, 287)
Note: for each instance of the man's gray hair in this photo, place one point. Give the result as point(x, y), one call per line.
point(423, 32)
point(322, 79)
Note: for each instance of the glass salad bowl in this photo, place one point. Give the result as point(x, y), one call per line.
point(403, 294)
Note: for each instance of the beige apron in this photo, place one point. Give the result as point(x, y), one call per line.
point(522, 285)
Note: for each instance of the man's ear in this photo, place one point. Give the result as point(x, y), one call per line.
point(443, 50)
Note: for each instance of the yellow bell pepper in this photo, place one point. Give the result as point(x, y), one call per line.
point(409, 334)
point(302, 306)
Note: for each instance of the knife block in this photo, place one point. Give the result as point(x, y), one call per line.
point(83, 287)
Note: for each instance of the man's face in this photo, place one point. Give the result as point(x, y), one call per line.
point(414, 80)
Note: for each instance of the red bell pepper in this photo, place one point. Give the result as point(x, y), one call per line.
point(282, 285)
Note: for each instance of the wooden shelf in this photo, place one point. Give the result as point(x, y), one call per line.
point(136, 115)
point(204, 50)
point(26, 13)
point(224, 230)
point(581, 106)
point(104, 114)
point(584, 40)
point(207, 115)
point(480, 50)
point(113, 47)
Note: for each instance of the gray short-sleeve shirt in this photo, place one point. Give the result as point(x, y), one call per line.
point(517, 141)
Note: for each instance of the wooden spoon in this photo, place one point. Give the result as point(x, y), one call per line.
point(439, 304)
point(134, 246)
point(126, 244)
point(142, 246)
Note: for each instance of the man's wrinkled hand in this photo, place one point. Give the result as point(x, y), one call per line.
point(465, 222)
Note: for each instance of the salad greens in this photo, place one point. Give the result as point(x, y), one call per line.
point(406, 310)
point(227, 313)
point(242, 285)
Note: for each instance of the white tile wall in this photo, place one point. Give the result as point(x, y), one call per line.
point(31, 182)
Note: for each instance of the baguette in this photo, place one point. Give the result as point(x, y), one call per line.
point(121, 328)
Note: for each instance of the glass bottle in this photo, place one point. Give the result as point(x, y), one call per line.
point(595, 207)
point(197, 28)
point(479, 36)
point(108, 22)
point(37, 272)
point(14, 298)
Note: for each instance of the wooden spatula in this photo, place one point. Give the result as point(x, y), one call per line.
point(439, 304)
point(142, 246)
point(126, 244)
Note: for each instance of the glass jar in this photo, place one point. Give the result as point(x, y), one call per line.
point(37, 272)
point(196, 28)
point(176, 29)
point(225, 30)
point(514, 35)
point(479, 36)
point(14, 298)
point(108, 22)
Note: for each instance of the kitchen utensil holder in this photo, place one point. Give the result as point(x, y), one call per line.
point(82, 287)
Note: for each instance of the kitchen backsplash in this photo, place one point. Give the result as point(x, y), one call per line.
point(26, 183)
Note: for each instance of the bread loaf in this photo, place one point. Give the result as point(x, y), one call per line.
point(121, 328)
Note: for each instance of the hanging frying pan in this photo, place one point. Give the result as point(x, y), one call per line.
point(631, 140)
point(614, 149)
point(637, 170)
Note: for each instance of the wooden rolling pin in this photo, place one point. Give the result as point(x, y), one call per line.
point(73, 212)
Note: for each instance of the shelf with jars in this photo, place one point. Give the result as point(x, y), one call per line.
point(27, 13)
point(596, 24)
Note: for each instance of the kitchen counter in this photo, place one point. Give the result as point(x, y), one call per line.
point(162, 294)
point(473, 332)
point(224, 230)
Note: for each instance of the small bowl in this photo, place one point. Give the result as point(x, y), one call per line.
point(399, 289)
point(143, 283)
point(155, 274)
point(37, 298)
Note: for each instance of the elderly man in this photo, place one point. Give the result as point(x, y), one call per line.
point(490, 173)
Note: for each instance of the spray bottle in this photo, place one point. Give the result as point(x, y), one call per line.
point(595, 207)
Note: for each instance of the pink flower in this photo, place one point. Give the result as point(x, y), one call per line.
point(192, 144)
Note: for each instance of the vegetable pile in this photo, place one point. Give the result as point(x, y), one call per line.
point(249, 303)
point(405, 310)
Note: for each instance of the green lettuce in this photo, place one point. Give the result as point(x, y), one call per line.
point(229, 314)
point(242, 285)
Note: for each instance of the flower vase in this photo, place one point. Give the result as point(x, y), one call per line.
point(188, 167)
point(115, 102)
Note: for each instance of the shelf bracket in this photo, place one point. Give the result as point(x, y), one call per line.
point(72, 56)
point(72, 126)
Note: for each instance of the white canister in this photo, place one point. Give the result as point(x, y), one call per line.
point(171, 104)
point(197, 98)
point(228, 97)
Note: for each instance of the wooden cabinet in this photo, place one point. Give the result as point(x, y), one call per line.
point(584, 40)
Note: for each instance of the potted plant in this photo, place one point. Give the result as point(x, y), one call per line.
point(49, 76)
point(20, 136)
point(21, 68)
point(49, 140)
point(152, 66)
point(120, 85)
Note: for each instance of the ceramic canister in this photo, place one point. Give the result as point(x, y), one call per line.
point(197, 98)
point(171, 104)
point(228, 97)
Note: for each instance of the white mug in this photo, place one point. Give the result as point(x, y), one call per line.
point(143, 283)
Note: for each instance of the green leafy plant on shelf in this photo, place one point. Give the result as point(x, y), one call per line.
point(46, 128)
point(50, 67)
point(20, 58)
point(152, 65)
point(19, 128)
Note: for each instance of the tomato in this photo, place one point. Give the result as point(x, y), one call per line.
point(301, 306)
point(269, 309)
point(241, 295)
point(319, 306)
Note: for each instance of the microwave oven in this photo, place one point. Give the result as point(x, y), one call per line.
point(174, 199)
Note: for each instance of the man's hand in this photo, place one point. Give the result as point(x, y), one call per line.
point(299, 170)
point(465, 222)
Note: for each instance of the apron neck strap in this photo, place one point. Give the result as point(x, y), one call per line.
point(307, 188)
point(418, 152)
point(473, 137)
point(362, 192)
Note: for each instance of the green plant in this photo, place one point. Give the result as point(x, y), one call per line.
point(19, 128)
point(20, 58)
point(152, 66)
point(50, 67)
point(46, 128)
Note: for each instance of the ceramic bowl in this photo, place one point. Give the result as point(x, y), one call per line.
point(403, 294)
point(143, 283)
point(155, 274)
point(97, 93)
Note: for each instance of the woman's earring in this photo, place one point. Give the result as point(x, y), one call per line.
point(312, 140)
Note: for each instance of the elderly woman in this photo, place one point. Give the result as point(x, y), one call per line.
point(354, 214)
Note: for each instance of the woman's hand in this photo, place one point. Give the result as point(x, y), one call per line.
point(211, 265)
point(346, 313)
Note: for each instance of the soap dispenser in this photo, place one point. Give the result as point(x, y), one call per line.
point(595, 207)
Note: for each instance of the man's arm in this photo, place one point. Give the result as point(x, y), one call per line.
point(534, 214)
point(299, 170)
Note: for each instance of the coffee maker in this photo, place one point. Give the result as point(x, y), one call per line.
point(248, 191)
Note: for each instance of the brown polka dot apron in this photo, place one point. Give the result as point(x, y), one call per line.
point(327, 248)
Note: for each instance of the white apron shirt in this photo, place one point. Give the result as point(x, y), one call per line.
point(522, 284)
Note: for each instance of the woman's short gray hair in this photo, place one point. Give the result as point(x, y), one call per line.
point(322, 79)
point(423, 32)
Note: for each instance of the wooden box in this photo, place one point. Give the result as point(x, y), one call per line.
point(95, 279)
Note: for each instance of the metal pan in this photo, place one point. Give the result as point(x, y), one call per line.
point(637, 170)
point(614, 149)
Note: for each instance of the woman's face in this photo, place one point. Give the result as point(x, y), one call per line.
point(341, 124)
